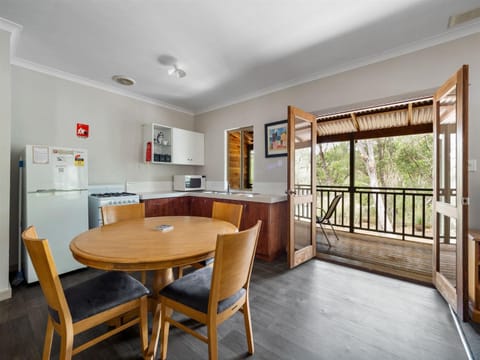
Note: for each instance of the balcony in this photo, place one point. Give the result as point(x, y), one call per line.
point(387, 230)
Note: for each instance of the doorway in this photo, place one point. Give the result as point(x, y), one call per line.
point(240, 158)
point(450, 181)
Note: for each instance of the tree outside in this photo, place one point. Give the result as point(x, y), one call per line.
point(402, 162)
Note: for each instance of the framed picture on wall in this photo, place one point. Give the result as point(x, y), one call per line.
point(276, 139)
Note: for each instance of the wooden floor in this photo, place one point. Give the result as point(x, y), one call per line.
point(319, 310)
point(403, 259)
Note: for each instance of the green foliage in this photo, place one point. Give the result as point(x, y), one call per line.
point(393, 162)
point(414, 160)
point(333, 164)
point(402, 161)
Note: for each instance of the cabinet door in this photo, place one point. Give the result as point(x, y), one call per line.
point(182, 206)
point(252, 212)
point(157, 207)
point(201, 207)
point(176, 206)
point(187, 147)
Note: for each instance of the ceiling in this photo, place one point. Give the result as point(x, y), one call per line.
point(230, 50)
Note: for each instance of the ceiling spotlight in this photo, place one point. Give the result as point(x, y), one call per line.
point(175, 71)
point(123, 80)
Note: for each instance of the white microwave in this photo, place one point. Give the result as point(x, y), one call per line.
point(188, 182)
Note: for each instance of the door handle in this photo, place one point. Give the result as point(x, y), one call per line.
point(291, 192)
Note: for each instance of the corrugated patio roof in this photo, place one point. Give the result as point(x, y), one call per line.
point(383, 117)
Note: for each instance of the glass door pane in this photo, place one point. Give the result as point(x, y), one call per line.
point(451, 191)
point(301, 186)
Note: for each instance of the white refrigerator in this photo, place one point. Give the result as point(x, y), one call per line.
point(55, 201)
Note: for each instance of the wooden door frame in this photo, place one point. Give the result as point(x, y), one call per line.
point(460, 212)
point(308, 252)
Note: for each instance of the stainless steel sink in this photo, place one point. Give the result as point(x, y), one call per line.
point(233, 193)
point(247, 194)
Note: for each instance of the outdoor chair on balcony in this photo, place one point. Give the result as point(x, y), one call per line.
point(325, 219)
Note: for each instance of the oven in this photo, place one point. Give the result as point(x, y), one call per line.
point(97, 200)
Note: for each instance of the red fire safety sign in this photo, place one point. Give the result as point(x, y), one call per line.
point(82, 130)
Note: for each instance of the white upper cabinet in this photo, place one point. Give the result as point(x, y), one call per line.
point(188, 147)
point(168, 145)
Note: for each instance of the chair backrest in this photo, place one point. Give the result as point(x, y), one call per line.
point(42, 260)
point(113, 214)
point(228, 212)
point(331, 207)
point(234, 256)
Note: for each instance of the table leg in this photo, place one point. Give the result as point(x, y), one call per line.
point(161, 278)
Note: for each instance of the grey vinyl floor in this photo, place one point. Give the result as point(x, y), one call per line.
point(316, 311)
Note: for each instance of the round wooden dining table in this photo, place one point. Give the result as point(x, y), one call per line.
point(141, 244)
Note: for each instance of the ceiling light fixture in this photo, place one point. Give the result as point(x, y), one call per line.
point(123, 80)
point(176, 71)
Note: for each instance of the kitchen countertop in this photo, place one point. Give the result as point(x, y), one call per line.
point(238, 196)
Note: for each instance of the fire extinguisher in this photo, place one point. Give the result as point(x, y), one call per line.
point(148, 154)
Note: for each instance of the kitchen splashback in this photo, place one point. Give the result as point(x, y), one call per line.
point(149, 186)
point(105, 188)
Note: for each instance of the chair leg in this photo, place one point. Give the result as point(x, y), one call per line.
point(144, 324)
point(333, 229)
point(212, 340)
point(143, 277)
point(180, 272)
point(66, 343)
point(325, 234)
point(47, 345)
point(164, 330)
point(248, 326)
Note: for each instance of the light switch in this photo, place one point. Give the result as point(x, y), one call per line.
point(472, 165)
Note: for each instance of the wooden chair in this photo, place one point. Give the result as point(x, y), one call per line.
point(211, 295)
point(85, 305)
point(231, 213)
point(228, 212)
point(113, 214)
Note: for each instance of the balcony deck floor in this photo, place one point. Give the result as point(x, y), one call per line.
point(404, 259)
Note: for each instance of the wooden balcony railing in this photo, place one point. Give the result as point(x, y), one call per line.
point(399, 212)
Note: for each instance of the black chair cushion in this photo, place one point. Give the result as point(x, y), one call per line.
point(101, 293)
point(193, 290)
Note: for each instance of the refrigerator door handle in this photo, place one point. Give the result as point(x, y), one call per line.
point(57, 190)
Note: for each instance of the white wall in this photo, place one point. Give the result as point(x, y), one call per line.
point(46, 109)
point(412, 73)
point(5, 126)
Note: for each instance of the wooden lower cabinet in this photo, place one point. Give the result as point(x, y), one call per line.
point(200, 206)
point(273, 235)
point(176, 206)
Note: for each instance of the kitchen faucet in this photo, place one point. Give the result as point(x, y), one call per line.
point(228, 188)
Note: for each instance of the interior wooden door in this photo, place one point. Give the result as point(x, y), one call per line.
point(301, 192)
point(450, 208)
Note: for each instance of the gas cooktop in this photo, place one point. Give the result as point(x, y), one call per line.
point(112, 194)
